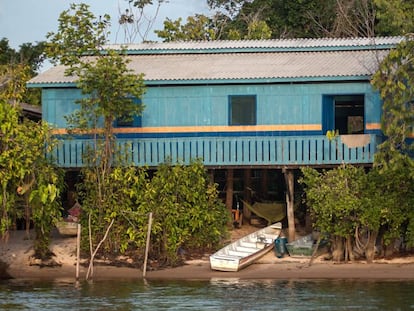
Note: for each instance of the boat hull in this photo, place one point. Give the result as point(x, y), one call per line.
point(246, 250)
point(67, 229)
point(224, 264)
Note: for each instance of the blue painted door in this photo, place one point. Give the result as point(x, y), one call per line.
point(328, 114)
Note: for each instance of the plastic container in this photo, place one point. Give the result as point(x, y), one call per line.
point(280, 247)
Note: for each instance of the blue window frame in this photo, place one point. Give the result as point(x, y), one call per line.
point(242, 110)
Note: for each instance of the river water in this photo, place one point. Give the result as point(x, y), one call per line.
point(216, 294)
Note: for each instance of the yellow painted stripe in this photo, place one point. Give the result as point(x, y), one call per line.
point(210, 129)
point(373, 126)
point(64, 131)
point(377, 126)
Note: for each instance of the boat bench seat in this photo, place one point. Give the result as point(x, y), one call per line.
point(248, 244)
point(243, 249)
point(239, 254)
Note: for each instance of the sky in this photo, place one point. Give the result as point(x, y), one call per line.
point(23, 21)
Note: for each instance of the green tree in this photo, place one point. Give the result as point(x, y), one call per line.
point(27, 176)
point(109, 86)
point(29, 55)
point(356, 209)
point(198, 27)
point(7, 54)
point(285, 19)
point(394, 17)
point(124, 187)
point(203, 28)
point(110, 92)
point(188, 215)
point(258, 30)
point(394, 81)
point(231, 7)
point(389, 199)
point(11, 144)
point(334, 198)
point(46, 185)
point(316, 18)
point(394, 159)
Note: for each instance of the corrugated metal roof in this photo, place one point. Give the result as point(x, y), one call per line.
point(240, 66)
point(255, 65)
point(289, 44)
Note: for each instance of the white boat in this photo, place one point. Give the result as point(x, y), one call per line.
point(246, 250)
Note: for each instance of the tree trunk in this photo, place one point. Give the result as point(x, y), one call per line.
point(108, 156)
point(264, 188)
point(229, 190)
point(41, 244)
point(370, 249)
point(337, 249)
point(349, 249)
point(247, 193)
point(89, 273)
point(289, 177)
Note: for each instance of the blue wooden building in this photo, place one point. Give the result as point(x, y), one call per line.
point(244, 107)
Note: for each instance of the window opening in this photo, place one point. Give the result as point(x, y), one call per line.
point(242, 109)
point(129, 121)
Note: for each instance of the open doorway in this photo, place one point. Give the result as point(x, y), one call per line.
point(344, 113)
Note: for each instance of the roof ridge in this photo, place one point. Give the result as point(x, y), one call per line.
point(218, 46)
point(200, 42)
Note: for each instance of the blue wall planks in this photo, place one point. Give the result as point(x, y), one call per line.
point(187, 122)
point(172, 106)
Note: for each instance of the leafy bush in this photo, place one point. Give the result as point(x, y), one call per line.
point(187, 210)
point(187, 213)
point(354, 208)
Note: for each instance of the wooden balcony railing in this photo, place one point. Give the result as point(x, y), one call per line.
point(233, 151)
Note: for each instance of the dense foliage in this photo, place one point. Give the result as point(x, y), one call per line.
point(29, 54)
point(394, 80)
point(30, 185)
point(353, 208)
point(395, 158)
point(264, 19)
point(187, 214)
point(30, 57)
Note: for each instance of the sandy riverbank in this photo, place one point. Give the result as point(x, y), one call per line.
point(16, 253)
